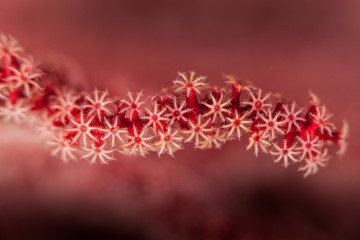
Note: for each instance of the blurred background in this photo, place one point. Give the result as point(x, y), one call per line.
point(283, 46)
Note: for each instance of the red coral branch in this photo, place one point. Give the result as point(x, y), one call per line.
point(95, 126)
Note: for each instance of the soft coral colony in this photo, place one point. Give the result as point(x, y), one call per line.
point(95, 126)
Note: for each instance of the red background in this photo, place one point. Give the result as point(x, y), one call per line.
point(283, 46)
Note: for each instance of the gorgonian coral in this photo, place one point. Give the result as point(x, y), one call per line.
point(95, 126)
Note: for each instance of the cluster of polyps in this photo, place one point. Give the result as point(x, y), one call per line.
point(95, 126)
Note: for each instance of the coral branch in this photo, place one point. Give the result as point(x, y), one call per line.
point(95, 126)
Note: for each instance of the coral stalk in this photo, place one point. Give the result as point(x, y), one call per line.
point(95, 125)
